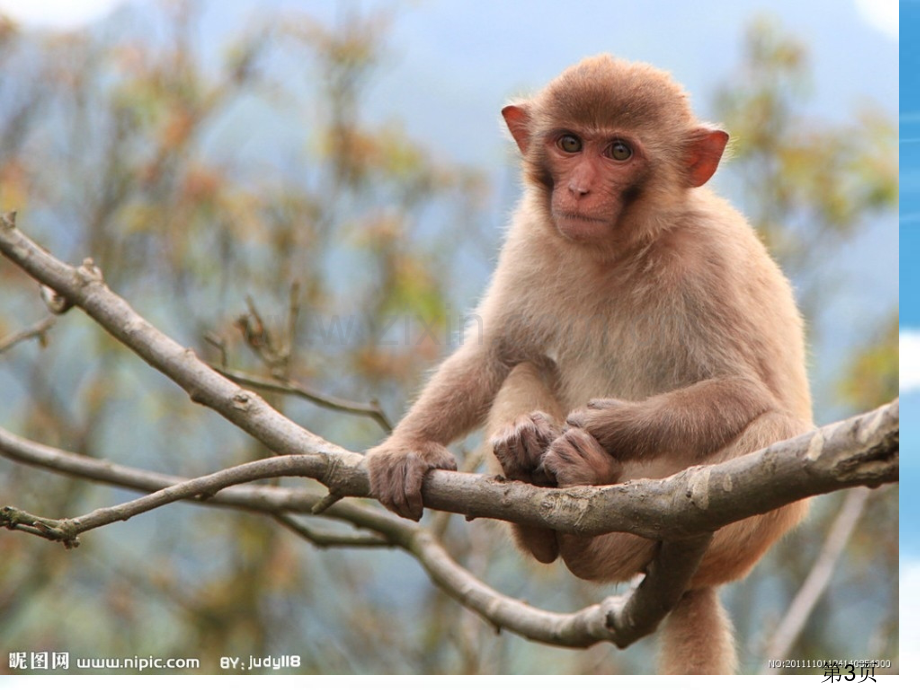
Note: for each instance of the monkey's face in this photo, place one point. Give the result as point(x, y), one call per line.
point(594, 177)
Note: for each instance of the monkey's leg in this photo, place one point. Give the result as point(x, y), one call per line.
point(697, 633)
point(523, 422)
point(578, 459)
point(734, 549)
point(738, 546)
point(612, 557)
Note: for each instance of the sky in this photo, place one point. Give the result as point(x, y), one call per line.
point(486, 48)
point(909, 340)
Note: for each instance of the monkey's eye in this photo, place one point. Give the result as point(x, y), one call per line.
point(569, 143)
point(619, 151)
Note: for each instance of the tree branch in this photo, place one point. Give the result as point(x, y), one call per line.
point(330, 402)
point(37, 330)
point(85, 288)
point(818, 579)
point(666, 508)
point(691, 503)
point(325, 540)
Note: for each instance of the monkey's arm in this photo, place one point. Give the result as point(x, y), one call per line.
point(693, 422)
point(455, 400)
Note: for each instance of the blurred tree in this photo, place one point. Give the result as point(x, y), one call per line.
point(808, 185)
point(202, 185)
point(175, 172)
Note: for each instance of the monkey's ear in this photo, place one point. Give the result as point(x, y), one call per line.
point(704, 153)
point(518, 120)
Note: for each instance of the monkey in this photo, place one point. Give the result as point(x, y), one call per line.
point(635, 326)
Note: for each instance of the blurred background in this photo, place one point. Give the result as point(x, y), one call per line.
point(315, 193)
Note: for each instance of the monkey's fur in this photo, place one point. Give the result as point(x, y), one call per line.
point(634, 326)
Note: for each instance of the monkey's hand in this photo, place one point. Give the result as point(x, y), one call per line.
point(520, 446)
point(397, 469)
point(613, 424)
point(577, 459)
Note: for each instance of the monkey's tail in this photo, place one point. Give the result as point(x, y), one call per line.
point(697, 637)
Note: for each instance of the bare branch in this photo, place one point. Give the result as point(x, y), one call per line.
point(23, 521)
point(668, 575)
point(38, 330)
point(325, 540)
point(258, 498)
point(820, 576)
point(700, 498)
point(862, 450)
point(66, 530)
point(84, 288)
point(691, 503)
point(329, 402)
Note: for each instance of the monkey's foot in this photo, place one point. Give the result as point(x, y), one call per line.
point(521, 445)
point(577, 459)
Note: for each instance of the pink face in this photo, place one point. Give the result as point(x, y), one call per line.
point(595, 175)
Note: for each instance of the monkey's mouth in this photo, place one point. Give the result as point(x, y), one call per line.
point(567, 215)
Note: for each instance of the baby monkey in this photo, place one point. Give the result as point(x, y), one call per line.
point(635, 326)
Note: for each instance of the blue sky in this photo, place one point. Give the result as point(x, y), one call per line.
point(909, 226)
point(909, 117)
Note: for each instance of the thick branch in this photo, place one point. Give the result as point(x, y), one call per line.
point(862, 450)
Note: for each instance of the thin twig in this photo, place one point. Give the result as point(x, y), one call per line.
point(818, 579)
point(325, 540)
point(328, 501)
point(330, 402)
point(293, 314)
point(219, 343)
point(67, 529)
point(38, 330)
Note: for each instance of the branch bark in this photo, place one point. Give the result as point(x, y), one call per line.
point(862, 450)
